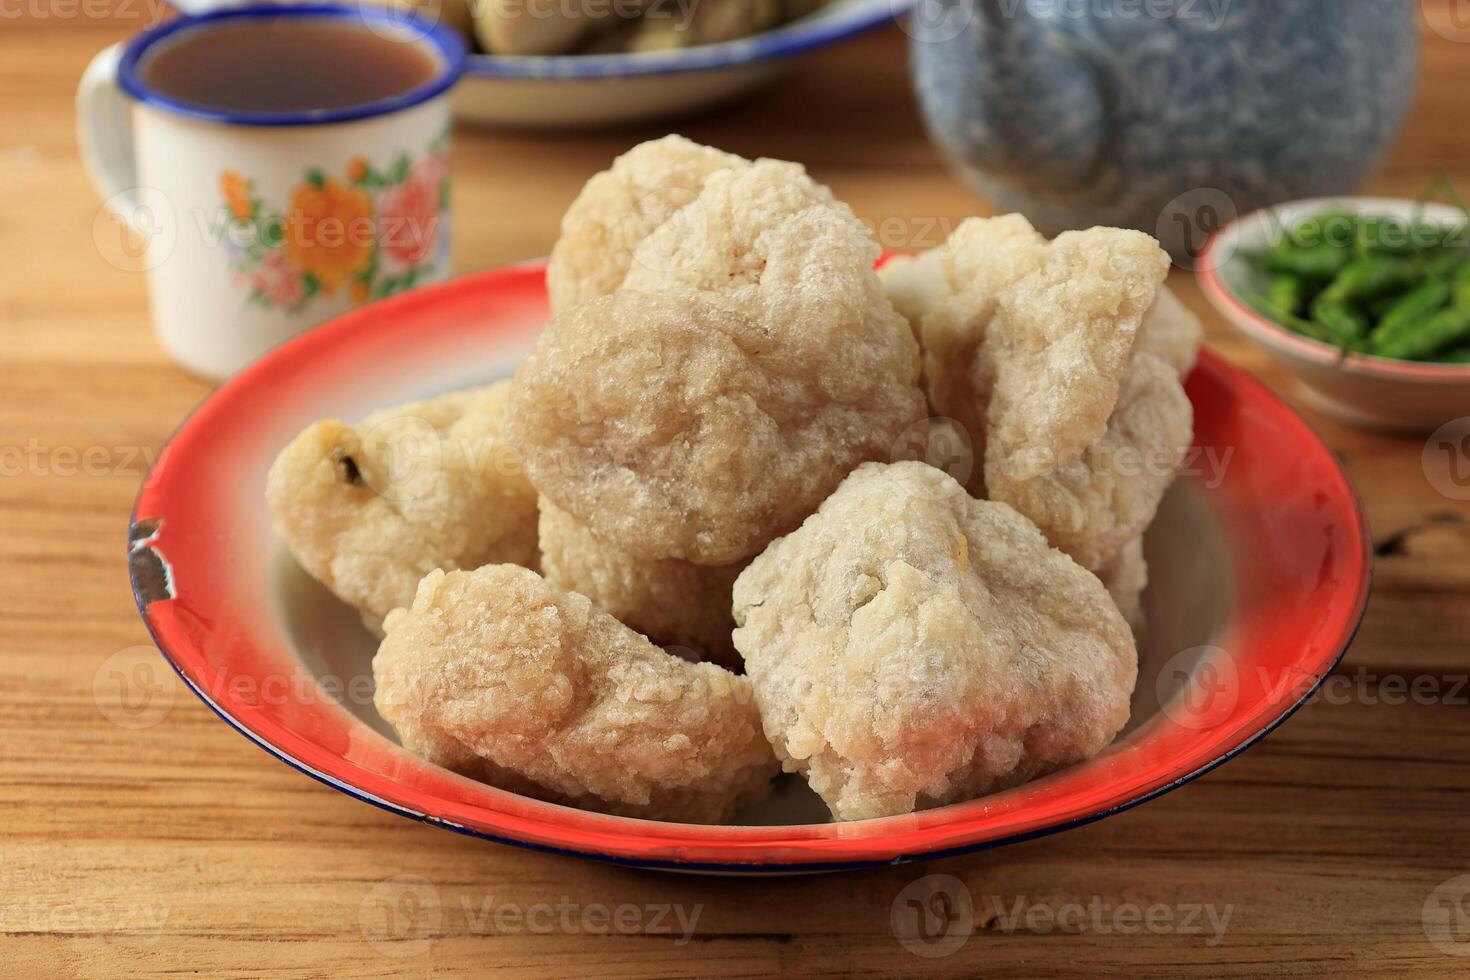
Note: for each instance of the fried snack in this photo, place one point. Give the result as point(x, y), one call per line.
point(952, 298)
point(529, 27)
point(911, 646)
point(1125, 577)
point(369, 509)
point(674, 603)
point(738, 376)
point(666, 26)
point(1026, 340)
point(620, 207)
point(1097, 501)
point(1061, 340)
point(1029, 345)
point(1171, 333)
point(500, 675)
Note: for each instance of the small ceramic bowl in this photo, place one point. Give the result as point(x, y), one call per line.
point(1359, 389)
point(1259, 558)
point(600, 90)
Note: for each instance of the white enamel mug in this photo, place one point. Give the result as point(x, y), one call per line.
point(253, 226)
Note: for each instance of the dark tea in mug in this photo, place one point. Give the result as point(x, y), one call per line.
point(287, 65)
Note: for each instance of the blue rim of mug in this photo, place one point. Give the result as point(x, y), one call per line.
point(443, 39)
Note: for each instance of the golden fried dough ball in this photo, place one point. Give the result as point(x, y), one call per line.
point(1051, 351)
point(672, 602)
point(1097, 501)
point(369, 509)
point(911, 646)
point(1026, 340)
point(620, 207)
point(950, 295)
point(502, 676)
point(1061, 340)
point(738, 376)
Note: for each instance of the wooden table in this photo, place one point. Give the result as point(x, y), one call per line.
point(180, 847)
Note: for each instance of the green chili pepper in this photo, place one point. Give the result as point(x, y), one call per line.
point(1409, 312)
point(1346, 326)
point(1376, 308)
point(1313, 262)
point(1429, 236)
point(1408, 279)
point(1455, 238)
point(1288, 320)
point(1462, 288)
point(1384, 236)
point(1373, 276)
point(1335, 228)
point(1300, 325)
point(1287, 293)
point(1444, 262)
point(1447, 328)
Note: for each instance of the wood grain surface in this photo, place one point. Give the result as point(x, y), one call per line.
point(180, 848)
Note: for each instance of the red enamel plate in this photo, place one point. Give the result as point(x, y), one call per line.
point(1260, 563)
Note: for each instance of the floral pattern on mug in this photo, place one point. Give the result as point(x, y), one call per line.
point(370, 232)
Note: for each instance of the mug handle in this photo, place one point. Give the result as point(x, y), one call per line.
point(105, 135)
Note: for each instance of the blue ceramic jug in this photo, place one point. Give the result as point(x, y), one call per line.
point(1170, 116)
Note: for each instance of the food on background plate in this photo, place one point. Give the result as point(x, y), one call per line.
point(671, 24)
point(497, 674)
point(749, 361)
point(570, 27)
point(541, 27)
point(910, 646)
point(370, 509)
point(723, 368)
point(1370, 285)
point(676, 604)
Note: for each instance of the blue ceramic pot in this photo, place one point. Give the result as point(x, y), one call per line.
point(1170, 116)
